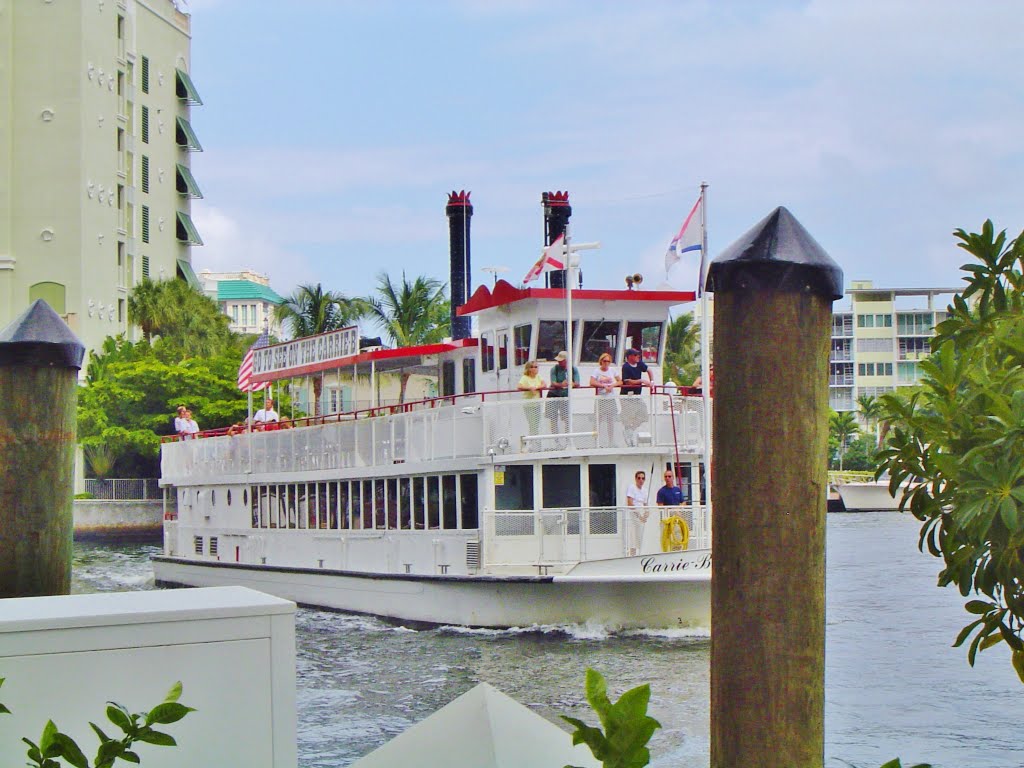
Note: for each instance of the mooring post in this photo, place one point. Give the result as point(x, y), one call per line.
point(39, 362)
point(773, 291)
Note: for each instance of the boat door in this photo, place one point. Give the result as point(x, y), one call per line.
point(502, 359)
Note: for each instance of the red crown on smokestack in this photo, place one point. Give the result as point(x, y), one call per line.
point(558, 198)
point(459, 198)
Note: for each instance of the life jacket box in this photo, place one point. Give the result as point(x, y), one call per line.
point(232, 648)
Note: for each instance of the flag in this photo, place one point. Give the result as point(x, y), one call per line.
point(552, 257)
point(245, 382)
point(689, 238)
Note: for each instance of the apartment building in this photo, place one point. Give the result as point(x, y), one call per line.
point(246, 297)
point(95, 102)
point(879, 335)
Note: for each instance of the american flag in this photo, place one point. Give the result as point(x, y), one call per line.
point(245, 382)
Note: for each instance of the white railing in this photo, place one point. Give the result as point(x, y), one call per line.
point(123, 489)
point(557, 537)
point(464, 429)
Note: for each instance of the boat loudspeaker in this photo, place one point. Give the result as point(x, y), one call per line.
point(632, 280)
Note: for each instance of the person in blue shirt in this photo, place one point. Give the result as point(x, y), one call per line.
point(670, 494)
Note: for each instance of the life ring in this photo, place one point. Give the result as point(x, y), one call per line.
point(675, 534)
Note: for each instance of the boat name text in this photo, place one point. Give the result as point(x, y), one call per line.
point(652, 565)
point(302, 352)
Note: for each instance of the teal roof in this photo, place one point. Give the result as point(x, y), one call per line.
point(233, 290)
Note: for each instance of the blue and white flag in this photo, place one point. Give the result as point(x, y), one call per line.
point(689, 238)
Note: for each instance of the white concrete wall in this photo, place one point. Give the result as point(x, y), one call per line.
point(232, 648)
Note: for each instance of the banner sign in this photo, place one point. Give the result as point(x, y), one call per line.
point(312, 350)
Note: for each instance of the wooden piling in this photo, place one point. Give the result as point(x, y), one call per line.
point(39, 362)
point(773, 292)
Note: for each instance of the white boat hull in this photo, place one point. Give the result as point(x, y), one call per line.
point(868, 497)
point(651, 591)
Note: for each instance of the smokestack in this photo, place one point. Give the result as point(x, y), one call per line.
point(556, 218)
point(459, 211)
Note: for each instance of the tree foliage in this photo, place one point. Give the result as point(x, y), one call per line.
point(124, 410)
point(959, 439)
point(682, 350)
point(410, 313)
point(842, 428)
point(188, 322)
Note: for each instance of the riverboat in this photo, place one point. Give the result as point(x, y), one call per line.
point(475, 506)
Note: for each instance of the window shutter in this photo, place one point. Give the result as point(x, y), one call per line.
point(145, 173)
point(145, 267)
point(145, 74)
point(145, 223)
point(145, 125)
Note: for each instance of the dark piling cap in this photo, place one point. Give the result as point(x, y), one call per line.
point(777, 254)
point(39, 338)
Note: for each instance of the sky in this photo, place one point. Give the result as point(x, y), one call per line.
point(333, 131)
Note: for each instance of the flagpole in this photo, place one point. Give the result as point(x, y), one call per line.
point(705, 349)
point(569, 278)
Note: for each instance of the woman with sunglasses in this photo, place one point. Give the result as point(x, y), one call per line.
point(636, 500)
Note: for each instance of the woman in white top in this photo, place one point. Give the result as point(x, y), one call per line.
point(604, 380)
point(636, 500)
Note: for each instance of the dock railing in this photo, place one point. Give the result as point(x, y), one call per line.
point(124, 489)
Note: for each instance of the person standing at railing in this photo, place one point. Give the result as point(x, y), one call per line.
point(180, 422)
point(634, 409)
point(558, 404)
point(191, 428)
point(636, 500)
point(532, 386)
point(604, 379)
point(266, 414)
point(670, 494)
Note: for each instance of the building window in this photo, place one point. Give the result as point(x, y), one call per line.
point(145, 173)
point(145, 75)
point(145, 124)
point(120, 311)
point(145, 223)
point(883, 321)
point(234, 314)
point(865, 321)
point(145, 267)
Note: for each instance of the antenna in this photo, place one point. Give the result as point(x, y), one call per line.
point(494, 271)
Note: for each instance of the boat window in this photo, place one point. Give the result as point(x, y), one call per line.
point(486, 352)
point(379, 519)
point(343, 504)
point(599, 336)
point(551, 338)
point(502, 345)
point(213, 497)
point(468, 375)
point(561, 485)
point(367, 503)
point(433, 502)
point(419, 506)
point(513, 486)
point(229, 497)
point(392, 487)
point(645, 336)
point(521, 341)
point(447, 378)
point(356, 504)
point(470, 508)
point(405, 502)
point(245, 496)
point(602, 485)
point(449, 503)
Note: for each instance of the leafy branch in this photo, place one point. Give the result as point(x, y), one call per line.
point(54, 745)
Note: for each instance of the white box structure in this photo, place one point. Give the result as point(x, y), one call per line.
point(232, 648)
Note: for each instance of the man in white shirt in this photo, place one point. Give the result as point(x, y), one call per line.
point(636, 500)
point(266, 414)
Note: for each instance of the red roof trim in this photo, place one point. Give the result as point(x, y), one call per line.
point(506, 293)
point(365, 357)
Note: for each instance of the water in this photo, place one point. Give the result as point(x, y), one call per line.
point(894, 686)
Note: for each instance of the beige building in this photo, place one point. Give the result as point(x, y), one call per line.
point(95, 187)
point(246, 298)
point(879, 335)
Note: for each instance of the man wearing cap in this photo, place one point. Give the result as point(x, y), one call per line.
point(557, 408)
point(634, 409)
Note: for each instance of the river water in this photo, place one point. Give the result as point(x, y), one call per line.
point(894, 686)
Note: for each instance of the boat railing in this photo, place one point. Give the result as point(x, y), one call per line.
point(482, 425)
point(553, 538)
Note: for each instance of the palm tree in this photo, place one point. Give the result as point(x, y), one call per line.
point(410, 313)
point(145, 307)
point(843, 426)
point(870, 410)
point(189, 323)
point(682, 350)
point(311, 310)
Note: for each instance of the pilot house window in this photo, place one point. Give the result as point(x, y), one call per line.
point(599, 336)
point(645, 336)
